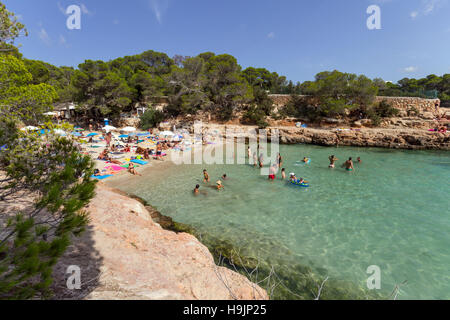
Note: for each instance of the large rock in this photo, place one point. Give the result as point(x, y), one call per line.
point(428, 115)
point(126, 255)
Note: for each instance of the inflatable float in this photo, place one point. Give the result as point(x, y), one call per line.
point(298, 184)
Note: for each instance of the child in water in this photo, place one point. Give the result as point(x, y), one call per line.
point(283, 174)
point(219, 185)
point(205, 176)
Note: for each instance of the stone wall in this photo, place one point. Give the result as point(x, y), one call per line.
point(401, 103)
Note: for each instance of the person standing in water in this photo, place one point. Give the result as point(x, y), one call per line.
point(261, 160)
point(249, 153)
point(359, 160)
point(255, 159)
point(272, 171)
point(205, 176)
point(279, 160)
point(332, 159)
point(283, 174)
point(348, 164)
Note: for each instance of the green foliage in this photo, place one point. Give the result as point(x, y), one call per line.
point(48, 173)
point(32, 241)
point(10, 29)
point(255, 116)
point(301, 107)
point(208, 82)
point(99, 90)
point(336, 91)
point(151, 118)
point(378, 111)
point(425, 88)
point(259, 110)
point(385, 110)
point(18, 97)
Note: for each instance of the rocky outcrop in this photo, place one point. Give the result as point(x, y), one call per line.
point(124, 254)
point(385, 138)
point(401, 138)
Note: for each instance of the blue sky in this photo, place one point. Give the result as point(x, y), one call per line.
point(296, 38)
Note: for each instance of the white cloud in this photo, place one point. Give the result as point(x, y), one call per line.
point(410, 69)
point(159, 7)
point(43, 35)
point(428, 7)
point(271, 35)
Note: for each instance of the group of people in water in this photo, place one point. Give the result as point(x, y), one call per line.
point(206, 179)
point(348, 164)
point(258, 161)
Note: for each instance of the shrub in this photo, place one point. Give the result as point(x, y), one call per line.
point(255, 116)
point(385, 110)
point(151, 118)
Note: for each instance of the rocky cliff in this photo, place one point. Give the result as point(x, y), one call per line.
point(385, 138)
point(124, 254)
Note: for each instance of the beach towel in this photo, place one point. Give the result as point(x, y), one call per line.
point(115, 168)
point(126, 166)
point(139, 161)
point(101, 177)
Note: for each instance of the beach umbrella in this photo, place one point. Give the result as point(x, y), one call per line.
point(92, 134)
point(76, 134)
point(142, 134)
point(59, 132)
point(29, 128)
point(123, 136)
point(166, 133)
point(128, 129)
point(109, 128)
point(50, 114)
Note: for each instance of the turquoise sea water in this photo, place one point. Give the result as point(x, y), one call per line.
point(391, 211)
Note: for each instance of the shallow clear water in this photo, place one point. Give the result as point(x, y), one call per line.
point(392, 211)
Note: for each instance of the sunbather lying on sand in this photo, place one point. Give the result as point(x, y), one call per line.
point(132, 170)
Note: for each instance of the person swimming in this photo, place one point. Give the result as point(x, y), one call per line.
point(219, 185)
point(261, 160)
point(205, 176)
point(332, 159)
point(224, 177)
point(305, 160)
point(197, 189)
point(359, 160)
point(348, 164)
